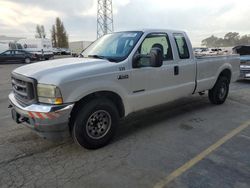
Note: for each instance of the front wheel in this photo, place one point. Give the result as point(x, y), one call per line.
point(219, 93)
point(95, 123)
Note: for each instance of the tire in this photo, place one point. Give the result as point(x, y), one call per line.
point(218, 94)
point(27, 60)
point(95, 123)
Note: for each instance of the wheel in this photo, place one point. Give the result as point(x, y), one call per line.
point(219, 93)
point(27, 60)
point(95, 123)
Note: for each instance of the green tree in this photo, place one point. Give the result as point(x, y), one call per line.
point(230, 39)
point(53, 36)
point(59, 35)
point(40, 31)
point(210, 41)
point(245, 40)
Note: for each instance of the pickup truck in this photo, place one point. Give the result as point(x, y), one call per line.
point(118, 74)
point(244, 52)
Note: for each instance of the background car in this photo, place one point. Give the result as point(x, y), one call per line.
point(244, 52)
point(57, 51)
point(65, 51)
point(16, 56)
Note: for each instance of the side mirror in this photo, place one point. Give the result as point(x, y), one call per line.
point(135, 61)
point(156, 57)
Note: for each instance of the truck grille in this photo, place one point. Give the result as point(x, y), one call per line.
point(23, 88)
point(244, 71)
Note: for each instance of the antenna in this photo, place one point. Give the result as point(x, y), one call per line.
point(104, 17)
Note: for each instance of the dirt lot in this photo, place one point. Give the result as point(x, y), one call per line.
point(188, 143)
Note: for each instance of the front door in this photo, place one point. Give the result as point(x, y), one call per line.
point(174, 79)
point(7, 56)
point(150, 84)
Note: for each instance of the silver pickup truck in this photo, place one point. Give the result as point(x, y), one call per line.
point(118, 74)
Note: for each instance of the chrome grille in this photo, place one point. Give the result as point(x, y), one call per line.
point(244, 71)
point(23, 89)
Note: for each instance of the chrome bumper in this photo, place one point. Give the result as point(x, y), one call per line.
point(49, 121)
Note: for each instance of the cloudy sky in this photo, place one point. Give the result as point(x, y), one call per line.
point(199, 18)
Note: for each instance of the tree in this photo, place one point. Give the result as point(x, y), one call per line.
point(40, 31)
point(230, 39)
point(245, 40)
point(210, 41)
point(59, 35)
point(53, 36)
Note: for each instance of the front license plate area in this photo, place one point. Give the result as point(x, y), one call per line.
point(15, 115)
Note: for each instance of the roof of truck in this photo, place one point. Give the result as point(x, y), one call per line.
point(155, 30)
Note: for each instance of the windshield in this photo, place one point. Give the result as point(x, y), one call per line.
point(114, 47)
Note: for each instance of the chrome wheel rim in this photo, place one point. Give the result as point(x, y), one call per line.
point(98, 124)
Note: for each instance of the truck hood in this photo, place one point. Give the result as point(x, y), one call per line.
point(57, 71)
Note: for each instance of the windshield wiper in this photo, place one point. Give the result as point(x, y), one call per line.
point(97, 56)
point(103, 57)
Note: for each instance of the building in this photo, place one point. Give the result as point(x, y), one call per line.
point(78, 46)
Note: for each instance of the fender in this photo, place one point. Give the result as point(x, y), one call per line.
point(221, 69)
point(97, 86)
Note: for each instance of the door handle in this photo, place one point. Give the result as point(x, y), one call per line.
point(176, 70)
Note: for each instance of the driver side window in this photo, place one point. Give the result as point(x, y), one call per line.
point(155, 41)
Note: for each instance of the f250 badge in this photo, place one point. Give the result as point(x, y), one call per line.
point(124, 76)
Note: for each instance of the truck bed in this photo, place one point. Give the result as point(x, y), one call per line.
point(209, 67)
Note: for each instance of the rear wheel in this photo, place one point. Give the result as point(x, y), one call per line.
point(219, 93)
point(95, 123)
point(27, 60)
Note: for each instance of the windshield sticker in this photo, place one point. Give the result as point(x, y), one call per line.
point(129, 35)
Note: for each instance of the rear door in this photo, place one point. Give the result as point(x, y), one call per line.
point(184, 72)
point(19, 56)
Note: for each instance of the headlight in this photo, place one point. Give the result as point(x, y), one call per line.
point(49, 94)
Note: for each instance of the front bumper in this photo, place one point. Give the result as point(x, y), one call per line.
point(244, 71)
point(48, 121)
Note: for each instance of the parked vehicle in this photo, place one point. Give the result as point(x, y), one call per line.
point(65, 51)
point(40, 47)
point(118, 74)
point(10, 46)
point(57, 51)
point(16, 56)
point(200, 51)
point(212, 51)
point(244, 52)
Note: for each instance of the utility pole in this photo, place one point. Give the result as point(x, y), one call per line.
point(104, 17)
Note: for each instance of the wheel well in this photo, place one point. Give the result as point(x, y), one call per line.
point(115, 98)
point(226, 73)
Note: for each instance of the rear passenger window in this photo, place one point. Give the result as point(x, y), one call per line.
point(181, 46)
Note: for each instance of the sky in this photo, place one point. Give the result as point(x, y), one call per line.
point(199, 18)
